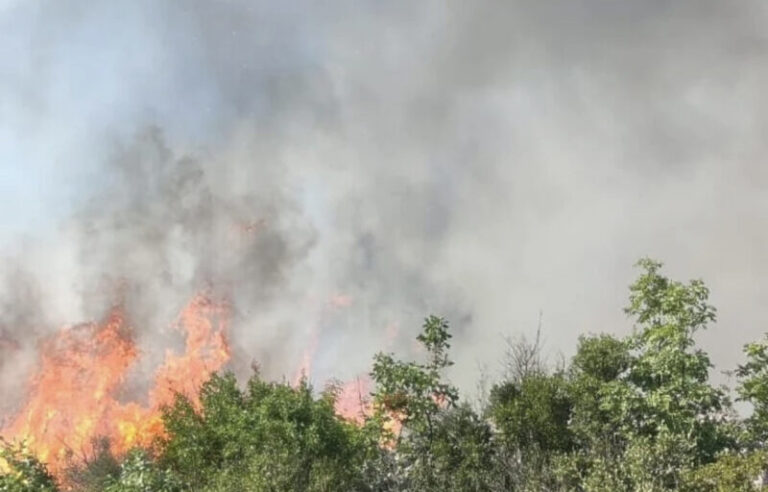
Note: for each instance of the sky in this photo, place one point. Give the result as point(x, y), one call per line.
point(493, 162)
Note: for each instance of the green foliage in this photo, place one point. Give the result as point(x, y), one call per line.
point(601, 358)
point(22, 472)
point(730, 472)
point(96, 471)
point(627, 414)
point(753, 388)
point(269, 437)
point(600, 393)
point(533, 413)
point(463, 450)
point(670, 375)
point(441, 446)
point(657, 301)
point(415, 392)
point(138, 473)
point(631, 414)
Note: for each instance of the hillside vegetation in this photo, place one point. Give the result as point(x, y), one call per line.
point(623, 414)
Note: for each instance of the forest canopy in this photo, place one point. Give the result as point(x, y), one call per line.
point(633, 413)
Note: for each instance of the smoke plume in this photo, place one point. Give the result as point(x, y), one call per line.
point(481, 160)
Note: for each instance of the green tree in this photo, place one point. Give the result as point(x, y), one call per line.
point(603, 358)
point(411, 392)
point(533, 413)
point(644, 411)
point(269, 437)
point(669, 373)
point(730, 472)
point(599, 393)
point(139, 473)
point(415, 395)
point(531, 418)
point(20, 471)
point(91, 473)
point(599, 390)
point(463, 451)
point(753, 388)
point(627, 414)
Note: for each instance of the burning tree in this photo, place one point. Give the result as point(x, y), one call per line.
point(73, 397)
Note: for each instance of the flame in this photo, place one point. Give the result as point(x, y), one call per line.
point(336, 302)
point(352, 400)
point(7, 344)
point(339, 301)
point(73, 397)
point(305, 366)
point(353, 403)
point(207, 350)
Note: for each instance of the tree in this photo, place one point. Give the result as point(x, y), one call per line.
point(20, 471)
point(598, 390)
point(463, 451)
point(672, 376)
point(599, 393)
point(644, 412)
point(627, 414)
point(414, 395)
point(139, 473)
point(533, 413)
point(753, 388)
point(93, 472)
point(531, 418)
point(269, 437)
point(732, 471)
point(602, 358)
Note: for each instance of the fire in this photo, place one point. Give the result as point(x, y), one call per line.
point(354, 404)
point(207, 351)
point(335, 303)
point(73, 397)
point(352, 400)
point(305, 366)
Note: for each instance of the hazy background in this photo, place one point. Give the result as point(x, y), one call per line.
point(481, 160)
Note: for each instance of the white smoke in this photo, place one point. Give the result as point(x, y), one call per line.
point(476, 160)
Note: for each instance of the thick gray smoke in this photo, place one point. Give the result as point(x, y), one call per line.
point(481, 160)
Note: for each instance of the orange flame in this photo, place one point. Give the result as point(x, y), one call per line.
point(305, 367)
point(335, 303)
point(353, 403)
point(352, 400)
point(73, 396)
point(74, 399)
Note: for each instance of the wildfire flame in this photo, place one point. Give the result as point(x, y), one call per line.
point(335, 303)
point(73, 397)
point(352, 402)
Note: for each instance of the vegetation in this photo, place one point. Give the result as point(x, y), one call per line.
point(624, 414)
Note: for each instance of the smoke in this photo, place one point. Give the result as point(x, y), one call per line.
point(481, 160)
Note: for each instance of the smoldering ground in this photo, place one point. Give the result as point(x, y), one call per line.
point(481, 160)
